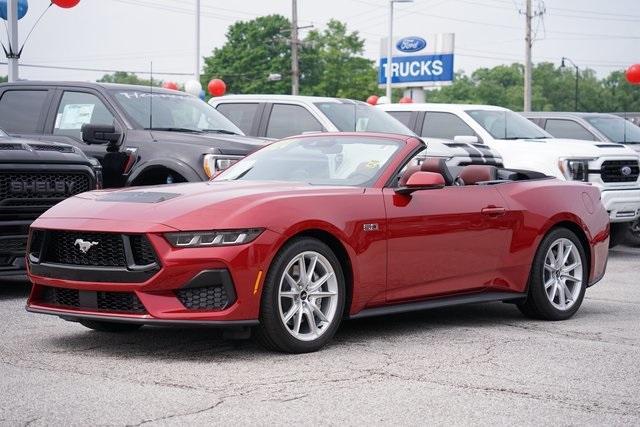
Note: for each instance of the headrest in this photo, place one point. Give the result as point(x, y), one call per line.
point(437, 165)
point(474, 174)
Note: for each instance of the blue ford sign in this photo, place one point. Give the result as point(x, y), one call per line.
point(411, 44)
point(418, 61)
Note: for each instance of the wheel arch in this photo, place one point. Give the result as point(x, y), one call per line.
point(148, 168)
point(339, 249)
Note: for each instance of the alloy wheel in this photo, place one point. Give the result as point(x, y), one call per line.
point(562, 274)
point(308, 296)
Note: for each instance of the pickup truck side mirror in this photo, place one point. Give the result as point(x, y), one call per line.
point(100, 134)
point(422, 181)
point(466, 139)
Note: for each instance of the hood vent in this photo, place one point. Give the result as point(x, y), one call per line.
point(7, 146)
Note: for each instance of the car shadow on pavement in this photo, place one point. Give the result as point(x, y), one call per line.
point(206, 344)
point(12, 289)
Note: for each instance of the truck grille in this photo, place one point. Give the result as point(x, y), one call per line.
point(620, 171)
point(125, 302)
point(13, 245)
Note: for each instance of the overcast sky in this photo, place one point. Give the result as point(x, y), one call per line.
point(128, 34)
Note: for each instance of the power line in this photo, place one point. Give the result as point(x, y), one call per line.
point(98, 70)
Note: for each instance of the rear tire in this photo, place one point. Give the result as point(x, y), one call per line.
point(112, 327)
point(301, 307)
point(558, 278)
point(632, 236)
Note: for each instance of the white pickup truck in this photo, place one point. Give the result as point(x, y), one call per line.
point(614, 168)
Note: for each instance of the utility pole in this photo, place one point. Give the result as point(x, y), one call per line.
point(295, 66)
point(14, 49)
point(527, 60)
point(197, 59)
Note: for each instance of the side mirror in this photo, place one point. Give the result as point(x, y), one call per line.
point(422, 181)
point(466, 139)
point(100, 134)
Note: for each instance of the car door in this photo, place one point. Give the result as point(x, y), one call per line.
point(283, 120)
point(23, 110)
point(445, 241)
point(74, 107)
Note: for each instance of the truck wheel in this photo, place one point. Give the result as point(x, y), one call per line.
point(158, 177)
point(303, 298)
point(114, 327)
point(619, 232)
point(558, 279)
point(632, 235)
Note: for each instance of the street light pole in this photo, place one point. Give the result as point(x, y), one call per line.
point(388, 73)
point(562, 65)
point(197, 29)
point(14, 49)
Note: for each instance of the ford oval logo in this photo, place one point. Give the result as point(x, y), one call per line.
point(411, 44)
point(626, 170)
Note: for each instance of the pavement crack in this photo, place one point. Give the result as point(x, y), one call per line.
point(173, 416)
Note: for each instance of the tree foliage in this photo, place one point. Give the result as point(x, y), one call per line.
point(553, 89)
point(330, 60)
point(4, 79)
point(127, 78)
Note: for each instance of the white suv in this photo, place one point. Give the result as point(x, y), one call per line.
point(613, 168)
point(280, 116)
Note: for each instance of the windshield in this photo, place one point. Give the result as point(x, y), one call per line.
point(323, 160)
point(361, 117)
point(616, 129)
point(173, 112)
point(505, 124)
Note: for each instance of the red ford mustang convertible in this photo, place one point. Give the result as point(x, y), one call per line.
point(314, 229)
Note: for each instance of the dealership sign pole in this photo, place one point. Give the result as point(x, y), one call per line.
point(416, 62)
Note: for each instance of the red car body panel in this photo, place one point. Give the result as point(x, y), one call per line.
point(430, 244)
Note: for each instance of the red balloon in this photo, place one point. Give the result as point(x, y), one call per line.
point(170, 85)
point(633, 74)
point(406, 100)
point(373, 100)
point(65, 4)
point(217, 87)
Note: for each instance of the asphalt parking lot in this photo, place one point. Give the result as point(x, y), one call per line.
point(475, 364)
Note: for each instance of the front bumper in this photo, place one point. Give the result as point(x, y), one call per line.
point(13, 243)
point(623, 205)
point(182, 291)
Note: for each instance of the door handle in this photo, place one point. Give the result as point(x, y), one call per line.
point(493, 211)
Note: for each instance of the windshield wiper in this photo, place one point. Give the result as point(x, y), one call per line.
point(174, 129)
point(225, 131)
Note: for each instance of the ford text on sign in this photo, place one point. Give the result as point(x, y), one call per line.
point(423, 68)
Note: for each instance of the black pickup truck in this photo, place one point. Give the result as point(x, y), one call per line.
point(33, 177)
point(140, 135)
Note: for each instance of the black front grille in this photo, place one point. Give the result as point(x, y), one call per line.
point(42, 185)
point(102, 249)
point(124, 302)
point(120, 301)
point(205, 298)
point(143, 253)
point(13, 245)
point(613, 171)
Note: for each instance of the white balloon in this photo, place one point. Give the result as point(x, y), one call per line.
point(193, 87)
point(383, 100)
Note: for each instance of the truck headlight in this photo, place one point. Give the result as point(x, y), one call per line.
point(575, 169)
point(216, 163)
point(195, 239)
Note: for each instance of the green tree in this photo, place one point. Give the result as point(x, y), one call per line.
point(127, 78)
point(253, 50)
point(339, 70)
point(4, 79)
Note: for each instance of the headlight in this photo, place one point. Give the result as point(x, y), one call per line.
point(196, 239)
point(575, 169)
point(216, 163)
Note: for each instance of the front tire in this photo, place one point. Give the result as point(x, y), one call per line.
point(558, 278)
point(111, 327)
point(303, 298)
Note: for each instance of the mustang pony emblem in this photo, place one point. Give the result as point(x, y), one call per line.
point(84, 245)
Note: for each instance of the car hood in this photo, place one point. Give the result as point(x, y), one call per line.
point(190, 206)
point(25, 151)
point(225, 144)
point(579, 148)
